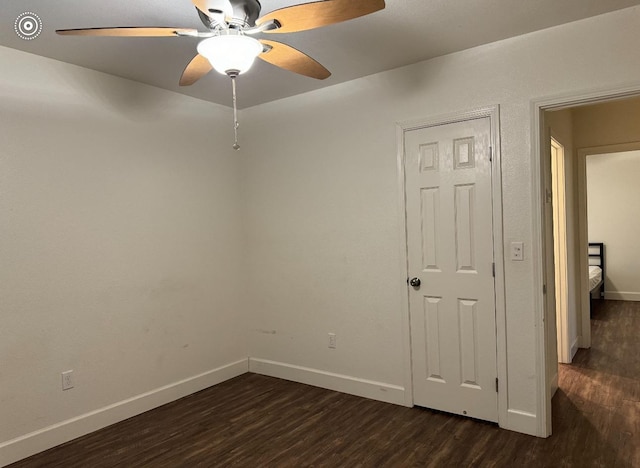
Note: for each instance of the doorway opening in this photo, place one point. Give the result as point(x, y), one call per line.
point(579, 126)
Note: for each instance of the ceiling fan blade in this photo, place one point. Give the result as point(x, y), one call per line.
point(284, 56)
point(197, 68)
point(127, 32)
point(317, 14)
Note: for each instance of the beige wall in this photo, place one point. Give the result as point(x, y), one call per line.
point(613, 194)
point(609, 123)
point(120, 239)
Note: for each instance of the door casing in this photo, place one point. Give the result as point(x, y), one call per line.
point(560, 251)
point(493, 112)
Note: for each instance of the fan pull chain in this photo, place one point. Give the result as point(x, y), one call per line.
point(236, 146)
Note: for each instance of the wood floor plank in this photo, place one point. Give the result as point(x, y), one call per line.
point(256, 421)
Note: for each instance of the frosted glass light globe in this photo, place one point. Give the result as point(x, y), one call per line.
point(230, 53)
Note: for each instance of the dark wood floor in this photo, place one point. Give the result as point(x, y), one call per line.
point(255, 421)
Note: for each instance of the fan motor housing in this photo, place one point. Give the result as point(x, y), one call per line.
point(245, 12)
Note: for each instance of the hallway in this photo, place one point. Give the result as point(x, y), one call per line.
point(598, 402)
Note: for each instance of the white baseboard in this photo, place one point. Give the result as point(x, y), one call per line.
point(338, 382)
point(554, 385)
point(521, 421)
point(48, 437)
point(518, 421)
point(581, 343)
point(574, 347)
point(622, 296)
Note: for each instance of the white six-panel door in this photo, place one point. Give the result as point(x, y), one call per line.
point(450, 253)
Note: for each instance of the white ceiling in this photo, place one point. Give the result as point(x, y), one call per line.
point(407, 31)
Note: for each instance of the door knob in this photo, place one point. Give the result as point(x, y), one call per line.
point(415, 282)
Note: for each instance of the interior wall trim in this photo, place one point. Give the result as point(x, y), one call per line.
point(48, 437)
point(522, 421)
point(622, 296)
point(380, 391)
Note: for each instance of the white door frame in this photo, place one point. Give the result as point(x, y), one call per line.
point(538, 107)
point(493, 112)
point(560, 251)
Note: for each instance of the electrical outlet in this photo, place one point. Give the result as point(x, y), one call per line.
point(332, 340)
point(67, 380)
point(517, 251)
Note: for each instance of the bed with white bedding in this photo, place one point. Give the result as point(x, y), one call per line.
point(595, 277)
point(596, 270)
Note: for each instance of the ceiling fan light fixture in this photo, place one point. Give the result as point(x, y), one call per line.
point(230, 53)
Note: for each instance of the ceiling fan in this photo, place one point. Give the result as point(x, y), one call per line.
point(228, 46)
